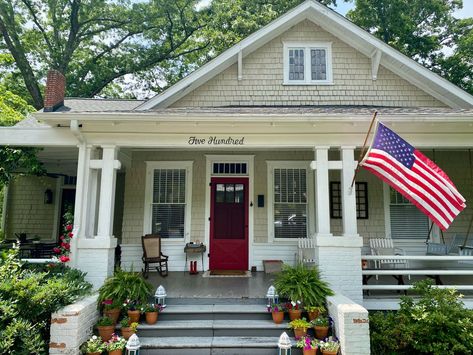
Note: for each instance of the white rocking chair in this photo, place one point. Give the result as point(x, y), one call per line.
point(306, 251)
point(385, 246)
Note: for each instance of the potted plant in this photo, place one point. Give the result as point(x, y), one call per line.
point(330, 346)
point(128, 328)
point(133, 310)
point(303, 284)
point(294, 309)
point(125, 285)
point(94, 346)
point(308, 345)
point(151, 311)
point(314, 311)
point(321, 326)
point(111, 309)
point(115, 345)
point(277, 312)
point(300, 327)
point(105, 327)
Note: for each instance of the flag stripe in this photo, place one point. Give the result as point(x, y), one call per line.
point(385, 176)
point(412, 190)
point(430, 191)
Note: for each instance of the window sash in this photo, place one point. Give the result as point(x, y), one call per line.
point(290, 203)
point(168, 205)
point(361, 196)
point(296, 64)
point(307, 63)
point(318, 61)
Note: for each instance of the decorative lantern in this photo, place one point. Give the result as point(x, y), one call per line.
point(160, 296)
point(272, 295)
point(133, 345)
point(284, 344)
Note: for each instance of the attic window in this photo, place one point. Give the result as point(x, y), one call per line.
point(308, 63)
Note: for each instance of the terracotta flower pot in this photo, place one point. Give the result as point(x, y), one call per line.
point(300, 332)
point(115, 352)
point(127, 332)
point(134, 316)
point(309, 352)
point(94, 353)
point(295, 314)
point(313, 315)
point(326, 352)
point(321, 332)
point(151, 317)
point(278, 317)
point(113, 314)
point(106, 331)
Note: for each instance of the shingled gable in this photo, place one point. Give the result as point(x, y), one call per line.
point(379, 52)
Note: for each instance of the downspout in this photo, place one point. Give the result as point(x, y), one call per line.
point(79, 199)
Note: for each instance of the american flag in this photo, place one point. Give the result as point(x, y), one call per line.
point(415, 176)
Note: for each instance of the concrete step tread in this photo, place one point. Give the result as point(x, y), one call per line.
point(213, 324)
point(216, 308)
point(209, 342)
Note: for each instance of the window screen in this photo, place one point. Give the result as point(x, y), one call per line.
point(290, 203)
point(296, 64)
point(169, 202)
point(407, 221)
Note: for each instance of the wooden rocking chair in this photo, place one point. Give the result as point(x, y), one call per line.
point(152, 254)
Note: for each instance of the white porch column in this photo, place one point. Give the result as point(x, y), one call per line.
point(348, 194)
point(322, 200)
point(96, 254)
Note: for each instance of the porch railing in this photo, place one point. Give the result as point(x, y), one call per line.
point(464, 267)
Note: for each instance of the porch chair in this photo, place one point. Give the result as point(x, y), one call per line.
point(152, 254)
point(306, 251)
point(385, 246)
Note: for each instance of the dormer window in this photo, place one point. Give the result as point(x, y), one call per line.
point(308, 63)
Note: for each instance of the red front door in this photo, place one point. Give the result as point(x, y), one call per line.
point(229, 224)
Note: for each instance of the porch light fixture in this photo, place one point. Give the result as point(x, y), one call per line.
point(160, 296)
point(133, 345)
point(284, 344)
point(272, 295)
point(48, 197)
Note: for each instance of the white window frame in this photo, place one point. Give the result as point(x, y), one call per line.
point(307, 46)
point(150, 167)
point(271, 165)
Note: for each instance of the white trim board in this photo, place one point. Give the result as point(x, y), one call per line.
point(340, 27)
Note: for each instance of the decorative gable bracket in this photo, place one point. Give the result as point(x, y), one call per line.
point(375, 60)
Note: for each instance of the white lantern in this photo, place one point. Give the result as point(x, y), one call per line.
point(160, 296)
point(272, 295)
point(284, 344)
point(133, 345)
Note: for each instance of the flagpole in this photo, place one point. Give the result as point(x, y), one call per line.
point(362, 152)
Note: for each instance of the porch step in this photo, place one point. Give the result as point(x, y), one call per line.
point(215, 312)
point(212, 329)
point(210, 345)
point(213, 301)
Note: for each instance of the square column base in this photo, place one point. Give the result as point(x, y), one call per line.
point(339, 262)
point(96, 257)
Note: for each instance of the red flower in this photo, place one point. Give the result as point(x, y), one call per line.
point(69, 227)
point(109, 301)
point(66, 246)
point(56, 250)
point(61, 237)
point(64, 258)
point(70, 234)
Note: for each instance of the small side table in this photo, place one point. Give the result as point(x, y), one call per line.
point(198, 248)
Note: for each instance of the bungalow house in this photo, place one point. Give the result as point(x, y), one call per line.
point(248, 154)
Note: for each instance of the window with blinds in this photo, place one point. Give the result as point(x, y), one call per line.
point(169, 202)
point(290, 203)
point(407, 221)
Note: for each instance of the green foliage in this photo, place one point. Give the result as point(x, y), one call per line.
point(320, 321)
point(301, 283)
point(15, 160)
point(27, 299)
point(105, 322)
point(299, 323)
point(435, 323)
point(125, 285)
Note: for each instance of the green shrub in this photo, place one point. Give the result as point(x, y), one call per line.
point(301, 283)
point(27, 299)
point(434, 323)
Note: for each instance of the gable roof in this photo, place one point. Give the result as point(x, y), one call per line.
point(339, 26)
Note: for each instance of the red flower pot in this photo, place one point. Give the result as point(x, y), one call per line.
point(321, 332)
point(106, 331)
point(300, 332)
point(134, 316)
point(295, 314)
point(151, 317)
point(113, 314)
point(309, 352)
point(278, 317)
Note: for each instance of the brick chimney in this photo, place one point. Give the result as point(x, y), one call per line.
point(55, 90)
